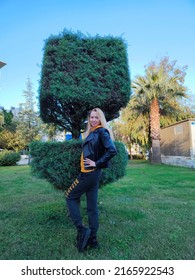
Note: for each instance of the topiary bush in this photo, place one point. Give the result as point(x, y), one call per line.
point(8, 158)
point(59, 162)
point(117, 166)
point(80, 72)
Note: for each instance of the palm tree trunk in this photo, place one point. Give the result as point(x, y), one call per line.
point(155, 131)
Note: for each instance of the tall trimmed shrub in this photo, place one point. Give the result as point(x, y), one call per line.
point(79, 73)
point(59, 162)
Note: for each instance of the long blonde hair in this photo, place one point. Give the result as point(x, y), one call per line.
point(103, 122)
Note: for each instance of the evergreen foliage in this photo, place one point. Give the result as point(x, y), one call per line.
point(79, 73)
point(117, 166)
point(16, 132)
point(28, 126)
point(59, 162)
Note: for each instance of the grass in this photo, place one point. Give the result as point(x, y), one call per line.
point(147, 215)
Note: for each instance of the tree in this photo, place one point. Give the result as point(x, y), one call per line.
point(157, 93)
point(79, 73)
point(1, 120)
point(5, 119)
point(28, 126)
point(7, 131)
point(50, 131)
point(11, 140)
point(132, 128)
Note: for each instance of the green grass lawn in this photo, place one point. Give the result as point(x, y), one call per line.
point(147, 215)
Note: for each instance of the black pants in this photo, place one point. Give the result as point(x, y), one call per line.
point(85, 183)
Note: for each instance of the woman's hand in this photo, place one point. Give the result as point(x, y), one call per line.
point(89, 162)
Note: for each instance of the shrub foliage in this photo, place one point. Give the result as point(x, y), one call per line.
point(79, 73)
point(8, 158)
point(59, 162)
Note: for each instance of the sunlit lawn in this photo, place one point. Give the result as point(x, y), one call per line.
point(148, 214)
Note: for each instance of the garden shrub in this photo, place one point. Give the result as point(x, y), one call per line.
point(59, 162)
point(117, 166)
point(8, 158)
point(138, 156)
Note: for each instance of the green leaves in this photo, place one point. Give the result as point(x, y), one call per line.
point(8, 158)
point(82, 72)
point(59, 162)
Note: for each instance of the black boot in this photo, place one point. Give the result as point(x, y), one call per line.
point(82, 237)
point(93, 243)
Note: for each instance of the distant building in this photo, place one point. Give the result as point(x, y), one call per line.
point(178, 143)
point(59, 136)
point(15, 111)
point(2, 64)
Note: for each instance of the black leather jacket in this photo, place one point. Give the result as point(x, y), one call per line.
point(99, 147)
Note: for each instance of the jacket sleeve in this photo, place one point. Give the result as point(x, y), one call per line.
point(110, 149)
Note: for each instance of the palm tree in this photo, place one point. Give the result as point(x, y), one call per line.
point(157, 93)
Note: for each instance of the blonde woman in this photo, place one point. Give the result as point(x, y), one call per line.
point(98, 148)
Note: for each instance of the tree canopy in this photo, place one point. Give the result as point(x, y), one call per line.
point(159, 99)
point(19, 131)
point(79, 73)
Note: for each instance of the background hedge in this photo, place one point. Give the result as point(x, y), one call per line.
point(8, 158)
point(59, 162)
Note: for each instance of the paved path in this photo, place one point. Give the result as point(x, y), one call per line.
point(23, 160)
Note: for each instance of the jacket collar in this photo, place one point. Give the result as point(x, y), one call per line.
point(89, 138)
point(96, 127)
point(91, 134)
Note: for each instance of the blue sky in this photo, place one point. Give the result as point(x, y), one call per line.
point(152, 28)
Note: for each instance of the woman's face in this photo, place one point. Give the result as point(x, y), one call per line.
point(94, 119)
